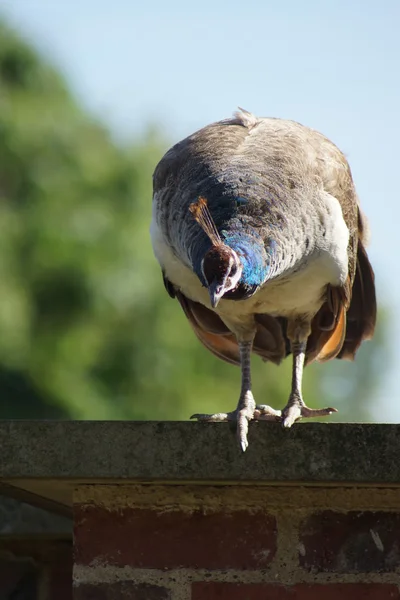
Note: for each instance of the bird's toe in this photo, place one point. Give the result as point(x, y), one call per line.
point(296, 410)
point(263, 412)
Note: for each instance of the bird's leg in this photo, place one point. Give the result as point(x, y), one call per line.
point(296, 407)
point(246, 409)
point(246, 405)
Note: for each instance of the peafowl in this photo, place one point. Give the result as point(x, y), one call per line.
point(259, 234)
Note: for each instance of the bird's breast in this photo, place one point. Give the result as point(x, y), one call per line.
point(296, 287)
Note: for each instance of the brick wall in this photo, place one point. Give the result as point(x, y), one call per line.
point(236, 542)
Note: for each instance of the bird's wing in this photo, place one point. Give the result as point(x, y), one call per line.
point(352, 308)
point(361, 314)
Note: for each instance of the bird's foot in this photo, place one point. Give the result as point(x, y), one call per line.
point(296, 410)
point(246, 411)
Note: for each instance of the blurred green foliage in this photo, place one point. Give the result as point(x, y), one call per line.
point(86, 328)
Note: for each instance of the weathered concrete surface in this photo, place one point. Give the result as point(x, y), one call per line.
point(312, 453)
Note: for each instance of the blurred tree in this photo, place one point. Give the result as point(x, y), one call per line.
point(86, 328)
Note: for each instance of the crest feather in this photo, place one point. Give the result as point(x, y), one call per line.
point(202, 215)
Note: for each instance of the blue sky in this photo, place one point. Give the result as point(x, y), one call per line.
point(333, 65)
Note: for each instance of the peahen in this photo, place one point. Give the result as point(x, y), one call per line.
point(259, 234)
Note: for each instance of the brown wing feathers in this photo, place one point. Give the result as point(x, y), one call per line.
point(269, 342)
point(210, 330)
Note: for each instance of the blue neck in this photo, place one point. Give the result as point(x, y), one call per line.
point(252, 254)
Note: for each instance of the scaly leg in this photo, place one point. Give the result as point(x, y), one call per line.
point(295, 409)
point(246, 409)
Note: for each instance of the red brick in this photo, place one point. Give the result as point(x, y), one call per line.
point(266, 591)
point(353, 542)
point(170, 539)
point(122, 590)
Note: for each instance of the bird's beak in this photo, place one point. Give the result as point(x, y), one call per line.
point(216, 292)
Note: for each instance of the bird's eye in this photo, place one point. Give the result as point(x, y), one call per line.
point(233, 270)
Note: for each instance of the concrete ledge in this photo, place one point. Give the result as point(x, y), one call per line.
point(183, 451)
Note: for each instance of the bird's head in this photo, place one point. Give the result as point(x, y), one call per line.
point(220, 267)
point(234, 267)
point(222, 270)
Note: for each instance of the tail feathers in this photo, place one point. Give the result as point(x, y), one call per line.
point(269, 341)
point(361, 315)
